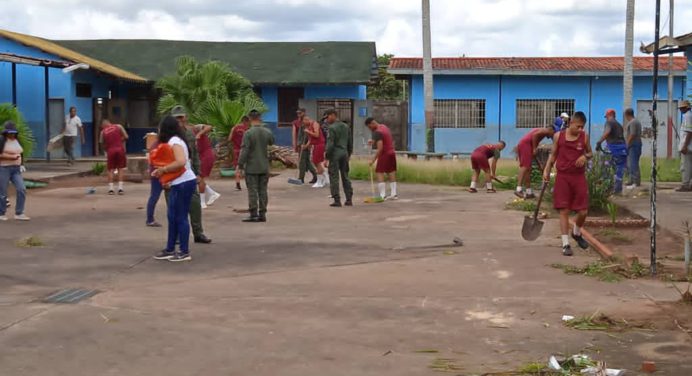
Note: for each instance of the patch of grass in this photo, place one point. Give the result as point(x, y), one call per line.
point(30, 242)
point(436, 172)
point(521, 205)
point(613, 236)
point(98, 168)
point(445, 365)
point(603, 322)
point(668, 169)
point(605, 271)
point(532, 368)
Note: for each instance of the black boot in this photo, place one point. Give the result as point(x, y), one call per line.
point(262, 217)
point(336, 203)
point(237, 187)
point(348, 202)
point(314, 179)
point(252, 218)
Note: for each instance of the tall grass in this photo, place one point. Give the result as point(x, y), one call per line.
point(436, 172)
point(668, 169)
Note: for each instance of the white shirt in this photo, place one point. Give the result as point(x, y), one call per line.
point(72, 125)
point(188, 174)
point(686, 128)
point(12, 147)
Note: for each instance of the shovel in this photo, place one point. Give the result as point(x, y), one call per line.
point(532, 226)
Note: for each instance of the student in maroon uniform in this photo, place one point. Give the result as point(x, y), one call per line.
point(206, 161)
point(385, 157)
point(526, 150)
point(571, 151)
point(317, 141)
point(479, 161)
point(236, 140)
point(112, 139)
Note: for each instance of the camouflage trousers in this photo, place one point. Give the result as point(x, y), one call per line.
point(257, 192)
point(339, 166)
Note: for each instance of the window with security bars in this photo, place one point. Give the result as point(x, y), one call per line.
point(343, 107)
point(537, 113)
point(459, 113)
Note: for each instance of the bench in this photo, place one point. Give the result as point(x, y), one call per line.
point(415, 155)
point(456, 154)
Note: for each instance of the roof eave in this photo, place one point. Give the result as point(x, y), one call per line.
point(509, 72)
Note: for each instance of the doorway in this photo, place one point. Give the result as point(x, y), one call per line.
point(56, 120)
point(288, 99)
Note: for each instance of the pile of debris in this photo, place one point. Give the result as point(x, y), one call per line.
point(285, 155)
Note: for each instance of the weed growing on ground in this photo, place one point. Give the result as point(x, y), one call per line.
point(98, 168)
point(605, 323)
point(30, 242)
point(605, 271)
point(521, 205)
point(445, 365)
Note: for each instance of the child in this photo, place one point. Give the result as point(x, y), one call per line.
point(571, 151)
point(526, 151)
point(479, 161)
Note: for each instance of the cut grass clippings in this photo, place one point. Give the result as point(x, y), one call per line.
point(605, 271)
point(30, 242)
point(445, 365)
point(601, 322)
point(521, 205)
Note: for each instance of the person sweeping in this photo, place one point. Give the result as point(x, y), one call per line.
point(254, 165)
point(571, 151)
point(480, 160)
point(385, 157)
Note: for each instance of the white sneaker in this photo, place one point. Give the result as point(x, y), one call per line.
point(325, 180)
point(632, 186)
point(3, 218)
point(214, 196)
point(319, 184)
point(204, 204)
point(391, 198)
point(22, 217)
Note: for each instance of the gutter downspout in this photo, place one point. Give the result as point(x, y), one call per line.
point(590, 99)
point(499, 115)
point(14, 84)
point(45, 74)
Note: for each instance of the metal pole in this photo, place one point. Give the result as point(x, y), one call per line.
point(671, 110)
point(45, 78)
point(428, 78)
point(654, 127)
point(14, 84)
point(629, 47)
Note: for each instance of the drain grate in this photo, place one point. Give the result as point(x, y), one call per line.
point(69, 296)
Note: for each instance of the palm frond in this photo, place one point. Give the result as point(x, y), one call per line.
point(25, 137)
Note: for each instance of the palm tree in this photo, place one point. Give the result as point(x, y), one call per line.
point(26, 137)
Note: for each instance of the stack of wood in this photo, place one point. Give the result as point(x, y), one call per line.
point(283, 154)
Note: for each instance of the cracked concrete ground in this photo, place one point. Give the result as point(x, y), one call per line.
point(315, 291)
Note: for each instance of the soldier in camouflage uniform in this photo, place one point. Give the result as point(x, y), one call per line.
point(254, 162)
point(339, 150)
point(196, 205)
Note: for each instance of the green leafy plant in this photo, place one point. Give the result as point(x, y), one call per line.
point(386, 86)
point(98, 168)
point(612, 212)
point(25, 137)
point(600, 180)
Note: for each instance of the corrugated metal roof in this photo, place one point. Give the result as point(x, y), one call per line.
point(574, 64)
point(65, 53)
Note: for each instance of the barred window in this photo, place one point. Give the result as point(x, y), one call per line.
point(537, 113)
point(459, 113)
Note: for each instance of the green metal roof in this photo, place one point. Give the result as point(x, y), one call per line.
point(279, 63)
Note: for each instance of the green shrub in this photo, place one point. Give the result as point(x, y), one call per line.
point(98, 168)
point(26, 137)
point(600, 177)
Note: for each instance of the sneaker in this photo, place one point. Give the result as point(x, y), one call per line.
point(529, 196)
point(3, 218)
point(22, 217)
point(120, 192)
point(519, 194)
point(214, 196)
point(318, 185)
point(387, 198)
point(473, 190)
point(111, 192)
point(153, 224)
point(204, 205)
point(631, 186)
point(583, 244)
point(490, 190)
point(164, 255)
point(567, 250)
point(182, 256)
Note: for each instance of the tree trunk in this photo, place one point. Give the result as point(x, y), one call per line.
point(428, 78)
point(629, 47)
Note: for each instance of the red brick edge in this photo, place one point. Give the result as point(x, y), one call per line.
point(601, 248)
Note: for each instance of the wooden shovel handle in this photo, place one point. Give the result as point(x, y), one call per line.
point(540, 198)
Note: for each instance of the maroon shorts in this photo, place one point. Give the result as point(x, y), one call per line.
point(479, 162)
point(206, 162)
point(318, 153)
point(570, 192)
point(525, 152)
point(116, 159)
point(386, 164)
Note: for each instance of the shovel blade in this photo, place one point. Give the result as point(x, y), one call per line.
point(531, 229)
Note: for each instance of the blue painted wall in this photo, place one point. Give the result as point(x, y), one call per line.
point(689, 72)
point(269, 95)
point(593, 95)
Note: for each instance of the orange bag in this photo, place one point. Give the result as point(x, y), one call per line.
point(161, 156)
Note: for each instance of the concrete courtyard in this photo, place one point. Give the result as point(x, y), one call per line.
point(315, 291)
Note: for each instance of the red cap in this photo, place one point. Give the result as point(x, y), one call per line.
point(610, 112)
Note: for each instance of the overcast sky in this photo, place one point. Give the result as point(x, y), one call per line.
point(470, 27)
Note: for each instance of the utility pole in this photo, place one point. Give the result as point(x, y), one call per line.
point(671, 110)
point(428, 79)
point(654, 128)
point(629, 47)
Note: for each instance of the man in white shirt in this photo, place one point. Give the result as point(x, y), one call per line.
point(70, 130)
point(686, 147)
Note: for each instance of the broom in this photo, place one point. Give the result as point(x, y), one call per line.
point(374, 199)
point(296, 181)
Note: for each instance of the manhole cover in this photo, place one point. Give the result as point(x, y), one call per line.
point(69, 296)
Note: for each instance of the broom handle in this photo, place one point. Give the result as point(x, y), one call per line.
point(372, 182)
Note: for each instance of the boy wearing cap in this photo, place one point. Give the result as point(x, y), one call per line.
point(571, 150)
point(614, 135)
point(11, 168)
point(526, 151)
point(686, 146)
